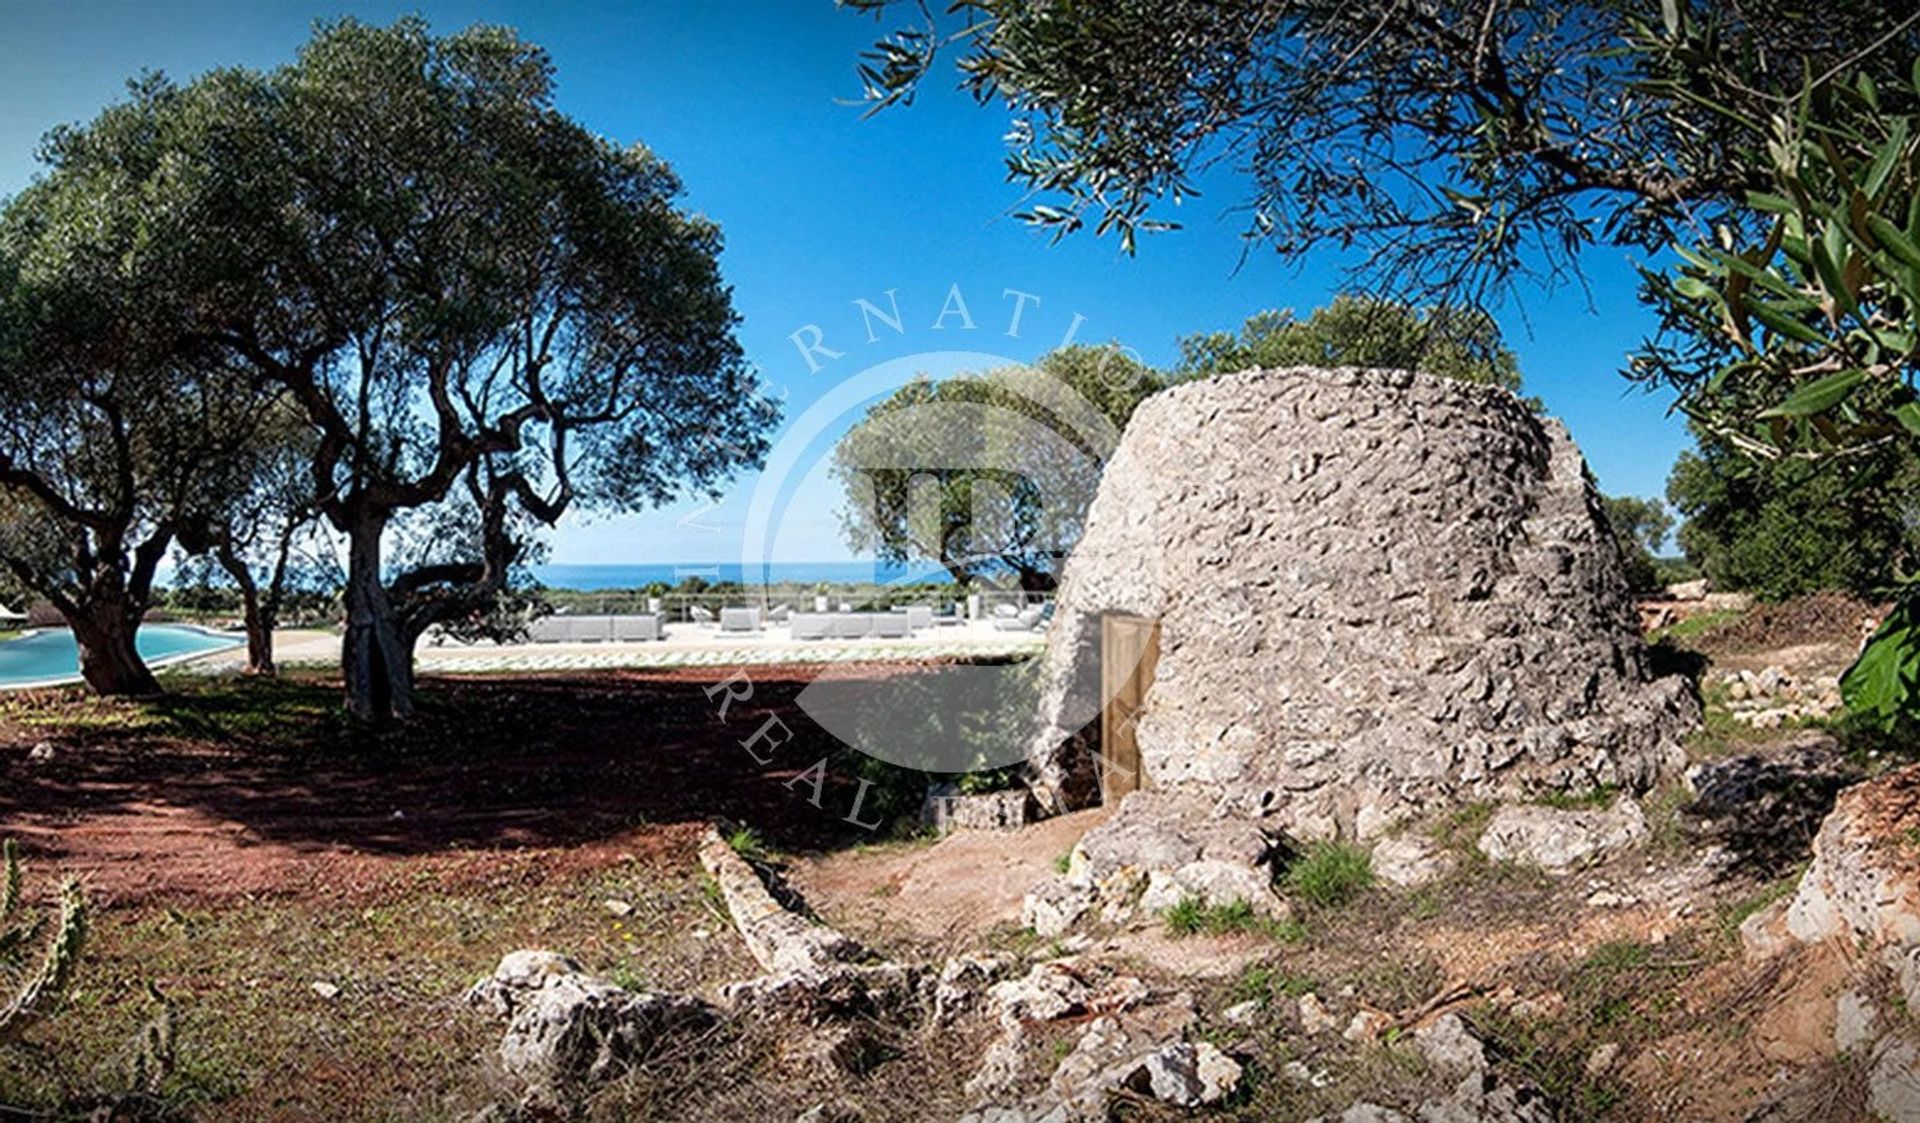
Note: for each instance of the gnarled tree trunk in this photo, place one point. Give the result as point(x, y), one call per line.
point(109, 661)
point(257, 616)
point(376, 658)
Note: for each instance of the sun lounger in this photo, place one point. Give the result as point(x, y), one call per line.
point(739, 619)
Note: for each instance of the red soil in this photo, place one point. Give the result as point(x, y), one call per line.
point(495, 776)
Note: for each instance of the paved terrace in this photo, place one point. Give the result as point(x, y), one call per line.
point(684, 645)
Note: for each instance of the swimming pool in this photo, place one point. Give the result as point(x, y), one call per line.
point(47, 657)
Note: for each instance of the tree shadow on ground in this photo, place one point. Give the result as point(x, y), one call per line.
point(489, 762)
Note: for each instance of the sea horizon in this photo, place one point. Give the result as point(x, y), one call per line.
point(606, 575)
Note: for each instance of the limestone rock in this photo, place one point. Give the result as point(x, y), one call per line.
point(838, 993)
point(1893, 1084)
point(784, 942)
point(963, 979)
point(1054, 906)
point(1480, 1096)
point(1601, 1060)
point(1765, 932)
point(1367, 1026)
point(947, 809)
point(1315, 1018)
point(1048, 991)
point(1184, 1074)
point(567, 1029)
point(1856, 1021)
point(1159, 848)
point(1449, 1047)
point(1408, 861)
point(1558, 840)
point(1002, 1066)
point(1864, 883)
point(1432, 547)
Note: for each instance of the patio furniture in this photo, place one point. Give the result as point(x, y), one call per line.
point(548, 629)
point(779, 614)
point(851, 625)
point(739, 619)
point(637, 627)
point(1026, 620)
point(700, 614)
point(589, 629)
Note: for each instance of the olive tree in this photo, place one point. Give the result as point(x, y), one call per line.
point(1358, 331)
point(1453, 149)
point(989, 474)
point(1795, 336)
point(460, 287)
point(115, 422)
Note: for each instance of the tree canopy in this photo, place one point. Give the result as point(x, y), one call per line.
point(1456, 147)
point(118, 419)
point(462, 288)
point(1361, 332)
point(989, 475)
point(466, 303)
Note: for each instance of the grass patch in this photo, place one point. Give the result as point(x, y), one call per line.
point(1329, 874)
point(255, 1040)
point(1693, 627)
point(1194, 916)
point(746, 842)
point(1735, 913)
point(1460, 830)
point(1260, 982)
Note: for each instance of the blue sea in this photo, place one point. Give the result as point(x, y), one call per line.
point(591, 577)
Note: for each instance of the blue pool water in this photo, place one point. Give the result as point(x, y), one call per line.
point(51, 656)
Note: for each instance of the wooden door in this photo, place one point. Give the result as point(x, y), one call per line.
point(1129, 649)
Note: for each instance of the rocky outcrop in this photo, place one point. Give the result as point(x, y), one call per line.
point(567, 1029)
point(783, 941)
point(1559, 840)
point(1479, 1095)
point(1408, 861)
point(947, 809)
point(1158, 849)
point(1864, 884)
point(1773, 696)
point(1863, 889)
point(1379, 593)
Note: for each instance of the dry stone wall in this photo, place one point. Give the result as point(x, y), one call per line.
point(1379, 592)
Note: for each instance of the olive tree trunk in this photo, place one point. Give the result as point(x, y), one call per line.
point(376, 659)
point(109, 661)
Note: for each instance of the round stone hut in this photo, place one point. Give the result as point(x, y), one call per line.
point(1333, 599)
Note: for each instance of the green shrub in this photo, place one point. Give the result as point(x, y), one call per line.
point(1330, 873)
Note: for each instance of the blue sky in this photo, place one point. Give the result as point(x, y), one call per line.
point(821, 207)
